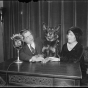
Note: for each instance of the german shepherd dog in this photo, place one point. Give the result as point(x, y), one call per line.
point(51, 42)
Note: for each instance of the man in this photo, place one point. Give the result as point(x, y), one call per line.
point(31, 47)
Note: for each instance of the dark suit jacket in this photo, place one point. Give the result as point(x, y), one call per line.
point(25, 53)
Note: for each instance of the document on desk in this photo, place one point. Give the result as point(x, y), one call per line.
point(54, 59)
point(47, 59)
point(40, 58)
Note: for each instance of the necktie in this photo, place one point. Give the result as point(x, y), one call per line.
point(32, 49)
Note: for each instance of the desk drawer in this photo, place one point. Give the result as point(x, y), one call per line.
point(30, 80)
point(66, 82)
point(40, 81)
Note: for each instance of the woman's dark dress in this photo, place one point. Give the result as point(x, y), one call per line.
point(73, 56)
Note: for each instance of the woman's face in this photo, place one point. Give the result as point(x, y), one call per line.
point(71, 37)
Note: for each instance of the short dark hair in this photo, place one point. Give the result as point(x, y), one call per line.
point(77, 32)
point(25, 31)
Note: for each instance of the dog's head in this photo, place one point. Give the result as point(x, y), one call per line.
point(51, 34)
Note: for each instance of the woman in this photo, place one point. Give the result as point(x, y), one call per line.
point(72, 51)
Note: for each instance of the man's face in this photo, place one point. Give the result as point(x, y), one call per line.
point(28, 37)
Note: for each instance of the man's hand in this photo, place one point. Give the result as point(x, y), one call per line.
point(36, 58)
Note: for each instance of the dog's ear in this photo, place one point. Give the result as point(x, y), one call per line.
point(57, 29)
point(44, 27)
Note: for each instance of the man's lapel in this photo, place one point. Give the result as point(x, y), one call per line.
point(28, 50)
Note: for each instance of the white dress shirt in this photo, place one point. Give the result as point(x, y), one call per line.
point(33, 45)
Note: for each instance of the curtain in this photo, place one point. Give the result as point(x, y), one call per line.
point(32, 15)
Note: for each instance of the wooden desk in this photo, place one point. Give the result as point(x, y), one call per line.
point(38, 74)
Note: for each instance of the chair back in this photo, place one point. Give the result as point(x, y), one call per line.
point(86, 54)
